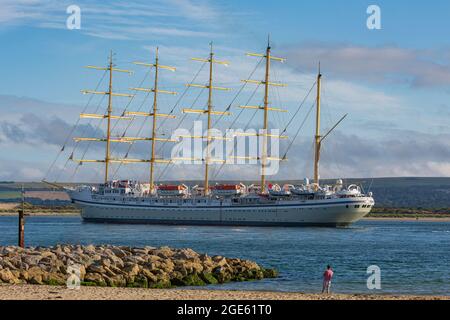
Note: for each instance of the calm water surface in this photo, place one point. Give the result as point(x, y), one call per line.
point(414, 257)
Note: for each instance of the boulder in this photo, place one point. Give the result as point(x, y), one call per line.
point(24, 275)
point(163, 252)
point(94, 278)
point(106, 262)
point(167, 265)
point(153, 258)
point(116, 261)
point(222, 274)
point(89, 248)
point(116, 281)
point(95, 268)
point(140, 251)
point(132, 269)
point(35, 275)
point(118, 252)
point(270, 273)
point(149, 275)
point(208, 278)
point(7, 276)
point(193, 280)
point(7, 265)
point(109, 272)
point(54, 279)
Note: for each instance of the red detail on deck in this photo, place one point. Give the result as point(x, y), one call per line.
point(227, 187)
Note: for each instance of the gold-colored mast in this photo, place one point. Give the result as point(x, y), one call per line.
point(209, 112)
point(154, 114)
point(129, 115)
point(210, 83)
point(108, 116)
point(317, 137)
point(266, 121)
point(267, 83)
point(108, 130)
point(155, 110)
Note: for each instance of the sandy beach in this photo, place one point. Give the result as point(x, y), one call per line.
point(43, 292)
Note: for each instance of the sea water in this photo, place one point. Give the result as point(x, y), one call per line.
point(413, 256)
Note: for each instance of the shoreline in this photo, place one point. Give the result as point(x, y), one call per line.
point(45, 292)
point(41, 214)
point(408, 219)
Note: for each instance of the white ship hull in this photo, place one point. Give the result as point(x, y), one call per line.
point(325, 212)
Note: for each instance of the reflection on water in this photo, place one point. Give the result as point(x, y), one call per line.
point(413, 256)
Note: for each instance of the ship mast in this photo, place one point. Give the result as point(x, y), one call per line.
point(108, 116)
point(154, 114)
point(209, 112)
point(317, 138)
point(266, 108)
point(127, 116)
point(108, 131)
point(210, 83)
point(266, 121)
point(155, 109)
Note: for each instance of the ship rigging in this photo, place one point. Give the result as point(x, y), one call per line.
point(222, 204)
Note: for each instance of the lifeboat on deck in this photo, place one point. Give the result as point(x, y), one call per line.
point(172, 190)
point(228, 190)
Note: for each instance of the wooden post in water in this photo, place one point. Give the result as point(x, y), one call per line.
point(22, 221)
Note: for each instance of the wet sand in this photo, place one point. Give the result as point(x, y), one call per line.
point(43, 292)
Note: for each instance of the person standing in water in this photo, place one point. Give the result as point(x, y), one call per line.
point(327, 275)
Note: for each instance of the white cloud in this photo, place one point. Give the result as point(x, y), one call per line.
point(134, 20)
point(29, 147)
point(383, 64)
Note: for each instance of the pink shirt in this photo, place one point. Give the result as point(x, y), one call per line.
point(327, 275)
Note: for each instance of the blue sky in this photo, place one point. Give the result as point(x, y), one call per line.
point(393, 82)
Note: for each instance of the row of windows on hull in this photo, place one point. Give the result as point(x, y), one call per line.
point(357, 206)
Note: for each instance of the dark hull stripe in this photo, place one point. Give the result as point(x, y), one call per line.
point(219, 207)
point(214, 223)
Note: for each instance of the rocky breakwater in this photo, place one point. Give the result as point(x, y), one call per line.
point(120, 266)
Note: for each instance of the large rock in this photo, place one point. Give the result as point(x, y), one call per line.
point(31, 259)
point(186, 254)
point(54, 278)
point(119, 252)
point(163, 252)
point(8, 265)
point(35, 275)
point(140, 251)
point(94, 279)
point(149, 275)
point(95, 268)
point(132, 269)
point(115, 281)
point(7, 276)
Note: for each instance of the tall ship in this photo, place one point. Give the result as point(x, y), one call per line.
point(223, 204)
